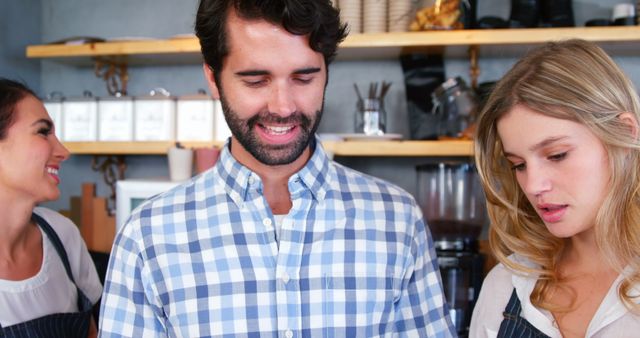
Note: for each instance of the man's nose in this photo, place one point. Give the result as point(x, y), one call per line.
point(282, 100)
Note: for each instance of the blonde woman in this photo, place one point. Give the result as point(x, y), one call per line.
point(558, 153)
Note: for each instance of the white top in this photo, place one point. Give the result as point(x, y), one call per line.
point(50, 290)
point(612, 319)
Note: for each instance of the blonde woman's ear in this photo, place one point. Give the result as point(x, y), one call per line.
point(631, 122)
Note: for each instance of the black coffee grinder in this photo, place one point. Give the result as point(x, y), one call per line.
point(453, 205)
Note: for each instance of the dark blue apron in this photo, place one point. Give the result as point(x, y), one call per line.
point(74, 324)
point(513, 325)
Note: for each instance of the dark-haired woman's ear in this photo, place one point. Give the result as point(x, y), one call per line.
point(631, 122)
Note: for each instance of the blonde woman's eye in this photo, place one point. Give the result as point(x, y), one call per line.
point(558, 157)
point(518, 167)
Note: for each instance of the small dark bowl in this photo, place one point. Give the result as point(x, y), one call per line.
point(597, 22)
point(627, 21)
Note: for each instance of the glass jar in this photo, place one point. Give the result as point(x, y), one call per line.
point(370, 117)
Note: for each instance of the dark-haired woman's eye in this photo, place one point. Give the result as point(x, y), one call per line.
point(45, 131)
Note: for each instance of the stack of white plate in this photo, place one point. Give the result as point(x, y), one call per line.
point(351, 13)
point(401, 13)
point(375, 16)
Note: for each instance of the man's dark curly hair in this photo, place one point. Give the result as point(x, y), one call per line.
point(316, 18)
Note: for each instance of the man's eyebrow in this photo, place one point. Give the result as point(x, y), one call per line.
point(256, 72)
point(309, 70)
point(252, 73)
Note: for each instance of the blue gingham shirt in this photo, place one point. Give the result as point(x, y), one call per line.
point(353, 259)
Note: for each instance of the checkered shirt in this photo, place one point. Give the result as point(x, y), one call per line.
point(353, 259)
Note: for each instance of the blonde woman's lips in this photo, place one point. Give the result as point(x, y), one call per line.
point(552, 213)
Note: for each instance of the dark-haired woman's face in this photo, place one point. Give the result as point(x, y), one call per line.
point(30, 155)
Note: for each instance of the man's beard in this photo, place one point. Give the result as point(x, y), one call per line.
point(243, 131)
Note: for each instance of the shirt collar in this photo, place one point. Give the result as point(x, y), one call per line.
point(315, 176)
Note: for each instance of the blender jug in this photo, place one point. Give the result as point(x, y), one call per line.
point(452, 200)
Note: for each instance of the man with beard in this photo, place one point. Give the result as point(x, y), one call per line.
point(276, 240)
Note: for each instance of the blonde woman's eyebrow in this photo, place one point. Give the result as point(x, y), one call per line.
point(546, 142)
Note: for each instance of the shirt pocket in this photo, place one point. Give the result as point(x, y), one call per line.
point(361, 299)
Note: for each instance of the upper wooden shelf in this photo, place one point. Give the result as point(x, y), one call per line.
point(187, 50)
point(345, 148)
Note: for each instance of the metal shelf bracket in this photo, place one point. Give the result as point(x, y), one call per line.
point(474, 68)
point(112, 169)
point(114, 73)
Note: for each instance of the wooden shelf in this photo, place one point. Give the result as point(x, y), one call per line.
point(346, 148)
point(187, 50)
point(360, 46)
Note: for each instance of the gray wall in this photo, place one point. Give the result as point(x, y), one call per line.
point(20, 23)
point(164, 18)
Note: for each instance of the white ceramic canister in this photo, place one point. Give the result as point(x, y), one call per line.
point(115, 118)
point(154, 116)
point(80, 119)
point(222, 131)
point(53, 105)
point(195, 116)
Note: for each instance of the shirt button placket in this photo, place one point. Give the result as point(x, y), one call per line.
point(285, 278)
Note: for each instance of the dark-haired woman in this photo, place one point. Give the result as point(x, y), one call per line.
point(48, 283)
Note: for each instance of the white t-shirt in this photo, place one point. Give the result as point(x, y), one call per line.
point(50, 290)
point(612, 319)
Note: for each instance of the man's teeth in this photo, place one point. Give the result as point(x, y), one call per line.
point(52, 171)
point(278, 130)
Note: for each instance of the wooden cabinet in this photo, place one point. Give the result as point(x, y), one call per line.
point(187, 51)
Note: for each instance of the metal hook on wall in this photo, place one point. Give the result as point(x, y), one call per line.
point(112, 169)
point(115, 74)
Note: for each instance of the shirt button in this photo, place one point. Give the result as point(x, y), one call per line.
point(285, 278)
point(288, 334)
point(250, 179)
point(266, 221)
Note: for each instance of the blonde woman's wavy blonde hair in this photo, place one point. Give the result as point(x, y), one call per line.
point(573, 80)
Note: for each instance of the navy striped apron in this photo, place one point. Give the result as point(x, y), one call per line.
point(513, 325)
point(74, 324)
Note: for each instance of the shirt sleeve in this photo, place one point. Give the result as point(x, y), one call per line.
point(494, 296)
point(130, 306)
point(422, 310)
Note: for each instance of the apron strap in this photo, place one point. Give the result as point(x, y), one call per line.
point(57, 243)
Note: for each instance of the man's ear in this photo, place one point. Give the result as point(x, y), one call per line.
point(208, 75)
point(631, 122)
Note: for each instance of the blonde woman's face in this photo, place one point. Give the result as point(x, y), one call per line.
point(560, 166)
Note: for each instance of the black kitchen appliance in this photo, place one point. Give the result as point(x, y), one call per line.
point(453, 204)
